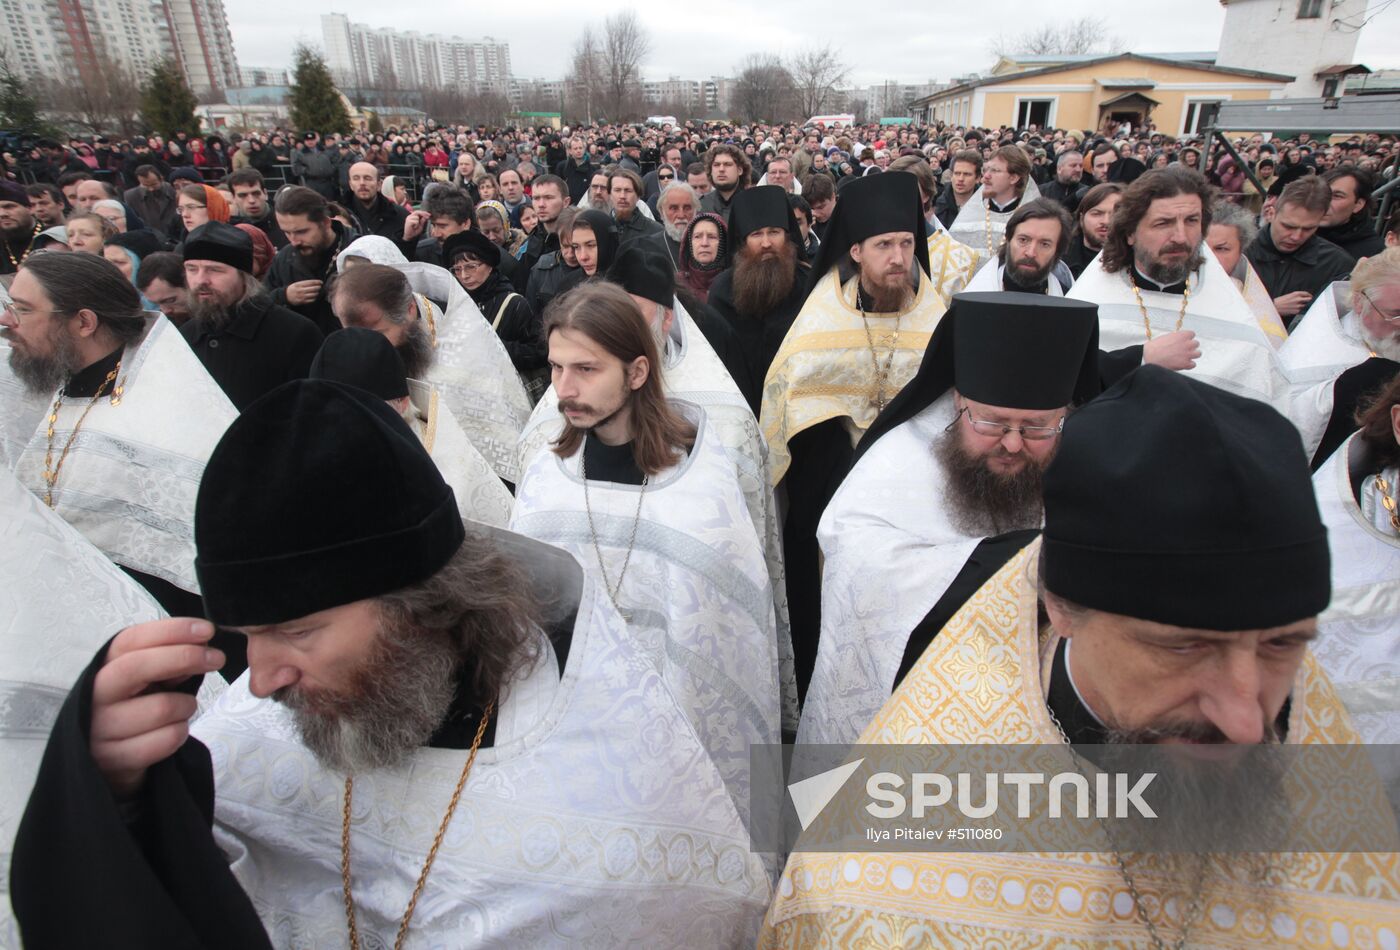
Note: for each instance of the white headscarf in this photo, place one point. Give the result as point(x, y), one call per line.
point(373, 248)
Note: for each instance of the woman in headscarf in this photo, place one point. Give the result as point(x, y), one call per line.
point(493, 220)
point(594, 241)
point(263, 250)
point(704, 254)
point(395, 188)
point(200, 204)
point(129, 263)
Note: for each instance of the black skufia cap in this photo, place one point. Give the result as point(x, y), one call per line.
point(1173, 501)
point(222, 243)
point(361, 357)
point(763, 206)
point(644, 269)
point(1011, 350)
point(874, 204)
point(318, 495)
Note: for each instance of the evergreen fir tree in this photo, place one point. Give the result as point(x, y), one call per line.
point(18, 108)
point(315, 103)
point(167, 104)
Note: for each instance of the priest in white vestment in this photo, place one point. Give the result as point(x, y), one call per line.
point(1163, 297)
point(693, 373)
point(1345, 348)
point(1030, 261)
point(131, 418)
point(952, 465)
point(453, 347)
point(638, 489)
point(444, 739)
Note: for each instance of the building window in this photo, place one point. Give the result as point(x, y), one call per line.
point(1033, 112)
point(1199, 115)
point(1309, 9)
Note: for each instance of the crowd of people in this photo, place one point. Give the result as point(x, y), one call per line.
point(416, 533)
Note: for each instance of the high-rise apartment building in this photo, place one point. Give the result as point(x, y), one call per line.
point(361, 56)
point(63, 39)
point(203, 44)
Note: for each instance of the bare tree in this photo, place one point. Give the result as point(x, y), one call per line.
point(607, 66)
point(624, 45)
point(763, 90)
point(101, 95)
point(1063, 38)
point(490, 108)
point(447, 104)
point(816, 73)
point(587, 73)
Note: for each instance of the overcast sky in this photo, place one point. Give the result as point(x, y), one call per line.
point(880, 39)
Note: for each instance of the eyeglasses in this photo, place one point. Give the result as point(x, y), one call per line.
point(665, 177)
point(1001, 430)
point(463, 268)
point(22, 313)
point(1387, 317)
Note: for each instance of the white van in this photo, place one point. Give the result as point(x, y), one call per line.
point(844, 120)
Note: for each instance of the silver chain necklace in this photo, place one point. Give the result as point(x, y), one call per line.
point(613, 592)
point(1193, 910)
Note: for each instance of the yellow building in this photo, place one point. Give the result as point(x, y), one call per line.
point(1092, 93)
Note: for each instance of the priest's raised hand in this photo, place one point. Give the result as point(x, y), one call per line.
point(139, 716)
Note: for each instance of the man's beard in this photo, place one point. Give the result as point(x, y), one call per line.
point(574, 405)
point(1166, 274)
point(416, 350)
point(396, 700)
point(891, 294)
point(1217, 822)
point(213, 313)
point(675, 231)
point(1033, 279)
point(42, 375)
point(1387, 346)
point(312, 251)
point(760, 284)
point(984, 503)
point(19, 236)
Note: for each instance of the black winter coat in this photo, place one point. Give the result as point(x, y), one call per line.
point(518, 328)
point(1357, 237)
point(1312, 267)
point(263, 347)
point(289, 266)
